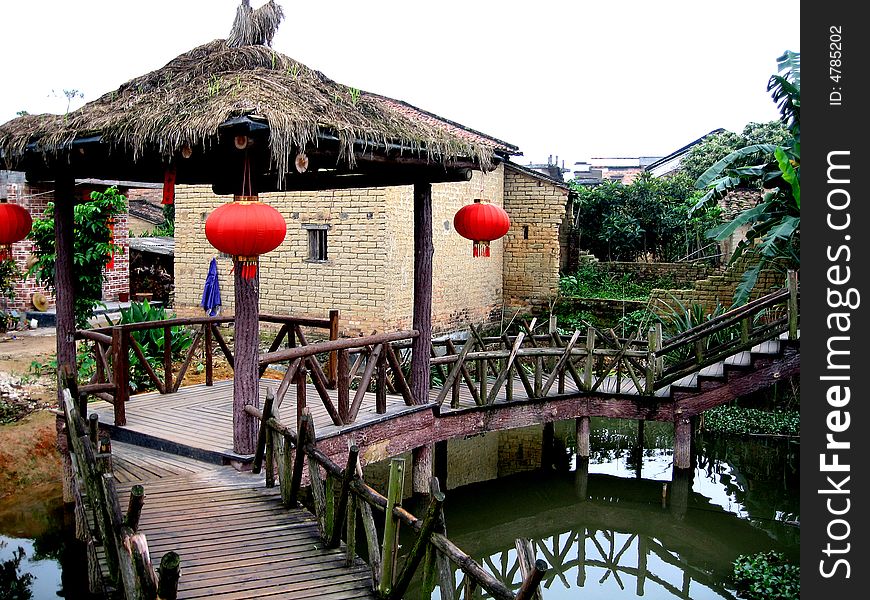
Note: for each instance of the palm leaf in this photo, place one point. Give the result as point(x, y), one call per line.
point(719, 167)
point(747, 282)
point(790, 174)
point(727, 229)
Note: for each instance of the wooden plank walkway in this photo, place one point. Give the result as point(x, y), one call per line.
point(237, 541)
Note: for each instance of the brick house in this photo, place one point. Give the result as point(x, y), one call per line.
point(352, 250)
point(116, 275)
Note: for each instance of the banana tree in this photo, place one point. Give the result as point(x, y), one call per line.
point(773, 236)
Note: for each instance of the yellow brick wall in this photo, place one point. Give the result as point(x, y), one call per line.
point(369, 275)
point(531, 266)
point(464, 289)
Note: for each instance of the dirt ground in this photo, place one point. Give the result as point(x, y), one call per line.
point(28, 455)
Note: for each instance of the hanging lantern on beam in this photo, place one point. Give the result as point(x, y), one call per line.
point(245, 228)
point(481, 223)
point(15, 224)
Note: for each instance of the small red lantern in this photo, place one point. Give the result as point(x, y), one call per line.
point(245, 229)
point(481, 222)
point(15, 224)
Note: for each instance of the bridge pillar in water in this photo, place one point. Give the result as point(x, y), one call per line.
point(582, 425)
point(421, 470)
point(581, 479)
point(682, 442)
point(681, 485)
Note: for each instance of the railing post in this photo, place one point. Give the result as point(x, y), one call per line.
point(134, 507)
point(209, 357)
point(793, 314)
point(381, 383)
point(341, 510)
point(121, 373)
point(530, 583)
point(301, 390)
point(287, 472)
point(590, 357)
point(433, 512)
point(391, 525)
point(332, 365)
point(167, 359)
point(343, 384)
point(653, 344)
point(169, 572)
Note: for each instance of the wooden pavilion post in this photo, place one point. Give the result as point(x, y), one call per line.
point(64, 202)
point(422, 322)
point(246, 353)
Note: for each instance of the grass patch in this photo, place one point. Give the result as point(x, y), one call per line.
point(595, 281)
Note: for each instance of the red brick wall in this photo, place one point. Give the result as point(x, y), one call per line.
point(35, 198)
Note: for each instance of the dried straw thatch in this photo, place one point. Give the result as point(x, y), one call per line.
point(188, 99)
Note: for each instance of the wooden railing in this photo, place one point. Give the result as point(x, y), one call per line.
point(99, 520)
point(340, 496)
point(362, 364)
point(113, 349)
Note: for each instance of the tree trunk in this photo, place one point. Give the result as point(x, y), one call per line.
point(246, 376)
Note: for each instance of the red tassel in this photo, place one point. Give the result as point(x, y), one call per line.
point(169, 186)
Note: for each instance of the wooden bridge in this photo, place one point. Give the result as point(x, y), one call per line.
point(356, 394)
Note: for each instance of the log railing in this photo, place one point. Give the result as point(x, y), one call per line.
point(114, 349)
point(99, 520)
point(340, 499)
point(363, 364)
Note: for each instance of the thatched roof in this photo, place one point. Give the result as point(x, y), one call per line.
point(186, 101)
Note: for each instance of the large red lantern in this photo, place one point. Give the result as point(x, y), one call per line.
point(15, 224)
point(245, 228)
point(481, 222)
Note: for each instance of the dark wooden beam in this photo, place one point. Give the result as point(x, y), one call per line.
point(422, 323)
point(64, 235)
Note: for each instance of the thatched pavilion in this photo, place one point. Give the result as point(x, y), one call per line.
point(234, 104)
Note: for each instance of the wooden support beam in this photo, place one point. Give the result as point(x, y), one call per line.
point(64, 234)
point(121, 373)
point(682, 442)
point(582, 425)
point(347, 477)
point(391, 526)
point(246, 376)
point(530, 584)
point(422, 317)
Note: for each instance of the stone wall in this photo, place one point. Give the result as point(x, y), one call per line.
point(532, 246)
point(715, 290)
point(680, 273)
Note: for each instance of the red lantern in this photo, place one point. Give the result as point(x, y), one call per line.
point(15, 224)
point(245, 229)
point(481, 222)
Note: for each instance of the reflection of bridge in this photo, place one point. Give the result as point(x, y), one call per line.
point(612, 530)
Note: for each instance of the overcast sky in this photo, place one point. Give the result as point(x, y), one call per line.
point(569, 78)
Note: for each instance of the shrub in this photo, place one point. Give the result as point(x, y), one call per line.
point(766, 576)
point(741, 421)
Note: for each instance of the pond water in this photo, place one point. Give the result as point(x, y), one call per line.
point(619, 526)
point(34, 541)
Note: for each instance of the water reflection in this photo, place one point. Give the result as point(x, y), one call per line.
point(623, 524)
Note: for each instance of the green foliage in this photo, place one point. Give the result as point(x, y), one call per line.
point(738, 420)
point(9, 274)
point(773, 238)
point(92, 248)
point(152, 342)
point(649, 216)
point(766, 576)
point(593, 280)
point(717, 146)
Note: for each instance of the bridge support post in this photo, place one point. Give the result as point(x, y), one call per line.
point(681, 485)
point(421, 469)
point(582, 425)
point(682, 442)
point(581, 479)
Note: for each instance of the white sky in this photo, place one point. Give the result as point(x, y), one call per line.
point(569, 78)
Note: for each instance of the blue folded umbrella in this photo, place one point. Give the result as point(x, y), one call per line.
point(211, 292)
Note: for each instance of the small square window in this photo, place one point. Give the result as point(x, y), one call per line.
point(317, 242)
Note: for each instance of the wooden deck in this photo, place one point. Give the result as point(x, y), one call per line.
point(236, 539)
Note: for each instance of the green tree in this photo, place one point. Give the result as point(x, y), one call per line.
point(773, 238)
point(717, 146)
point(649, 216)
point(92, 249)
